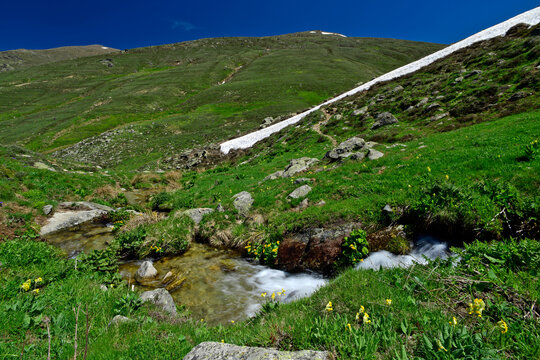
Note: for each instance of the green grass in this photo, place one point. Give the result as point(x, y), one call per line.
point(424, 300)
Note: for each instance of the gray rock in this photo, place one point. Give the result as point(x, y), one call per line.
point(298, 165)
point(422, 102)
point(338, 117)
point(146, 271)
point(361, 111)
point(242, 202)
point(438, 116)
point(42, 166)
point(321, 203)
point(302, 180)
point(370, 144)
point(374, 154)
point(107, 62)
point(274, 176)
point(432, 107)
point(220, 208)
point(387, 209)
point(103, 287)
point(197, 214)
point(304, 204)
point(346, 148)
point(71, 214)
point(161, 298)
point(473, 73)
point(357, 156)
point(47, 209)
point(458, 80)
point(300, 192)
point(119, 319)
point(221, 351)
point(384, 119)
point(397, 89)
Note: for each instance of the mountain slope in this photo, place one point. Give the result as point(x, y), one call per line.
point(181, 95)
point(23, 58)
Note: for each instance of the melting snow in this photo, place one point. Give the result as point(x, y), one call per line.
point(531, 17)
point(104, 47)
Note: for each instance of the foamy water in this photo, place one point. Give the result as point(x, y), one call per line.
point(425, 249)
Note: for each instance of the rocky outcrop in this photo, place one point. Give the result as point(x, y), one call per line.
point(69, 214)
point(383, 119)
point(221, 351)
point(300, 192)
point(161, 298)
point(298, 165)
point(315, 249)
point(242, 202)
point(374, 154)
point(346, 149)
point(295, 166)
point(146, 272)
point(197, 214)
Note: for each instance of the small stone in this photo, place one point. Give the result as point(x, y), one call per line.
point(161, 298)
point(304, 204)
point(197, 214)
point(374, 154)
point(103, 287)
point(300, 192)
point(384, 119)
point(360, 111)
point(397, 89)
point(388, 209)
point(302, 180)
point(220, 208)
point(168, 277)
point(47, 209)
point(119, 319)
point(321, 203)
point(146, 271)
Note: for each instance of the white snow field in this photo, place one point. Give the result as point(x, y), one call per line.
point(531, 17)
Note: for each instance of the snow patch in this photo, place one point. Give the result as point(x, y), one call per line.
point(331, 33)
point(104, 47)
point(531, 17)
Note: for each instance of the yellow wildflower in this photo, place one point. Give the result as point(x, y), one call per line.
point(447, 177)
point(349, 327)
point(357, 317)
point(352, 246)
point(454, 321)
point(222, 340)
point(441, 347)
point(428, 169)
point(477, 307)
point(273, 296)
point(329, 306)
point(26, 285)
point(38, 280)
point(263, 294)
point(362, 309)
point(365, 319)
point(232, 321)
point(35, 291)
point(503, 326)
point(388, 302)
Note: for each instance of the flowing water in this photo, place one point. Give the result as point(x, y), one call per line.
point(213, 284)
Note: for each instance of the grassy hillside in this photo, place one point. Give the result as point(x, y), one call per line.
point(461, 162)
point(173, 97)
point(23, 58)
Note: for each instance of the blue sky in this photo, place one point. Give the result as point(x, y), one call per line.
point(136, 23)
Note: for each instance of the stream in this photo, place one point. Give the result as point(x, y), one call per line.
point(217, 285)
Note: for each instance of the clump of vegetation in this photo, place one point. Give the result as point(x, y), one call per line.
point(355, 247)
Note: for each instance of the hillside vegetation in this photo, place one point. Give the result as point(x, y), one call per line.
point(24, 58)
point(451, 151)
point(164, 99)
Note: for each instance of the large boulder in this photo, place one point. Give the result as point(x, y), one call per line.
point(314, 249)
point(374, 154)
point(197, 214)
point(298, 165)
point(69, 214)
point(242, 202)
point(145, 272)
point(161, 298)
point(346, 148)
point(300, 192)
point(383, 119)
point(221, 351)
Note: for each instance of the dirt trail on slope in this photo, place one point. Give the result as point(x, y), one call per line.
point(317, 127)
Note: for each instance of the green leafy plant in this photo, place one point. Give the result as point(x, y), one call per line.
point(354, 247)
point(127, 304)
